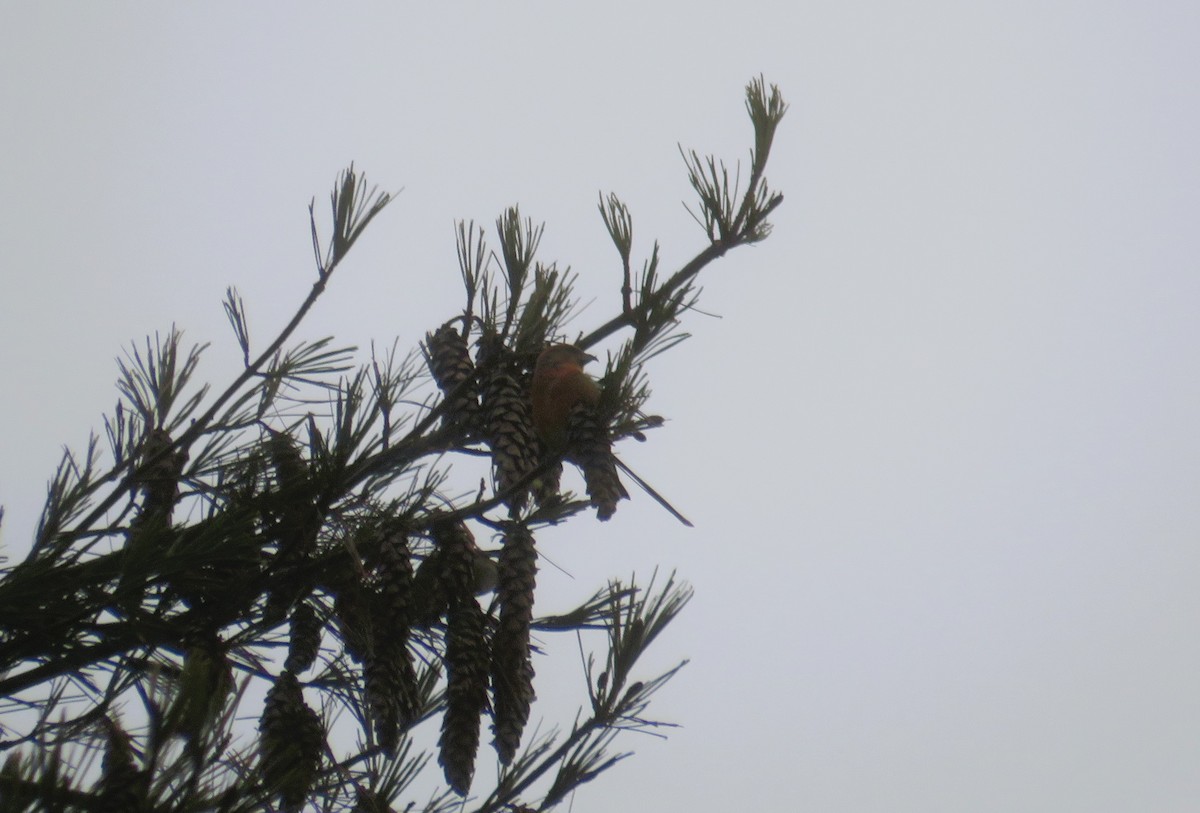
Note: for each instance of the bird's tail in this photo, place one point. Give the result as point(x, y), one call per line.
point(649, 489)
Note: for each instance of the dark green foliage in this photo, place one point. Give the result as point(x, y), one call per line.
point(302, 521)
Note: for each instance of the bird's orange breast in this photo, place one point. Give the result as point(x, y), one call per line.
point(554, 392)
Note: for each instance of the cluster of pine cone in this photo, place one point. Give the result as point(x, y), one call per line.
point(486, 659)
point(490, 401)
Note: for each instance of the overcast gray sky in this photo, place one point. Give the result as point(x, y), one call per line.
point(940, 448)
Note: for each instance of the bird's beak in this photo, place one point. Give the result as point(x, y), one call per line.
point(586, 357)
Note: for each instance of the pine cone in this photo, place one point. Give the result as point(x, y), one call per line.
point(589, 448)
point(160, 477)
point(381, 693)
point(352, 611)
point(296, 539)
point(456, 550)
point(368, 801)
point(429, 596)
point(295, 528)
point(205, 686)
point(305, 640)
point(466, 693)
point(510, 433)
point(391, 691)
point(467, 657)
point(450, 363)
point(285, 457)
point(391, 679)
point(431, 584)
point(291, 739)
point(122, 787)
point(512, 671)
point(546, 486)
point(394, 574)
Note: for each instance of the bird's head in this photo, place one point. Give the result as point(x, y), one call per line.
point(557, 356)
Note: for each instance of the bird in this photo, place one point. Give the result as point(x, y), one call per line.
point(559, 385)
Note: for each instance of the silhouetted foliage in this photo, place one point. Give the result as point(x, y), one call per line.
point(288, 549)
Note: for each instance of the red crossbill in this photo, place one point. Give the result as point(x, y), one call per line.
point(559, 384)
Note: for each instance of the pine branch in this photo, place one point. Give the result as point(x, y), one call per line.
point(352, 211)
point(290, 532)
point(725, 228)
